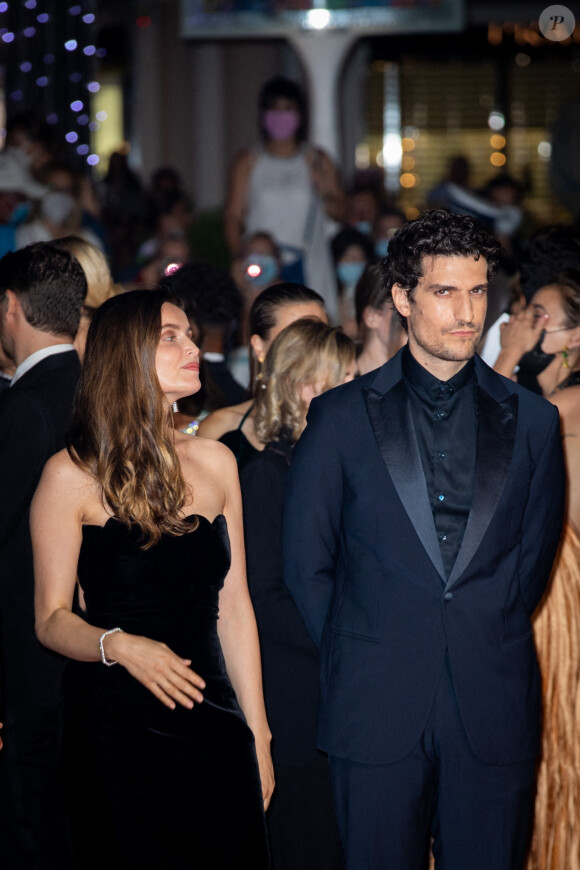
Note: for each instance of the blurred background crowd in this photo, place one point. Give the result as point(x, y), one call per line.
point(260, 173)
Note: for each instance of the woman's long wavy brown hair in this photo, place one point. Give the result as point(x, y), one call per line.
point(121, 432)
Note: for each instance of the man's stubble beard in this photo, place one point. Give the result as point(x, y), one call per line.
point(443, 351)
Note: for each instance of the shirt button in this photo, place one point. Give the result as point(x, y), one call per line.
point(441, 497)
point(442, 454)
point(448, 597)
point(440, 415)
point(442, 536)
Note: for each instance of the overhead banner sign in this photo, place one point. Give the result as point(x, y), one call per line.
point(243, 19)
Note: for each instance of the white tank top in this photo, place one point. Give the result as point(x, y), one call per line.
point(280, 197)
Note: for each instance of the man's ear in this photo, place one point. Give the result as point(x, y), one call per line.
point(401, 299)
point(12, 304)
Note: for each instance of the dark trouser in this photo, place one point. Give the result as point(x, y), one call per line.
point(33, 827)
point(478, 814)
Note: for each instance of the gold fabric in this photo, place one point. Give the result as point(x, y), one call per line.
point(556, 835)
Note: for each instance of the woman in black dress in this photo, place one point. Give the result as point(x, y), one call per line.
point(307, 358)
point(165, 757)
point(273, 310)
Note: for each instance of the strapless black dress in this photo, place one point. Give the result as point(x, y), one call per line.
point(146, 786)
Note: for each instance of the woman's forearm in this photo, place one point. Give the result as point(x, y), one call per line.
point(68, 634)
point(238, 636)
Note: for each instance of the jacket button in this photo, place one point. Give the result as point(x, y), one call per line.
point(448, 596)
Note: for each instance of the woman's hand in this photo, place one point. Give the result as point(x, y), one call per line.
point(1, 741)
point(266, 769)
point(324, 177)
point(160, 670)
point(522, 331)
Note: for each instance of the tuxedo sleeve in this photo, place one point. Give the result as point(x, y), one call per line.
point(542, 524)
point(312, 518)
point(25, 445)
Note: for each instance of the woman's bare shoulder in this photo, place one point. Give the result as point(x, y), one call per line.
point(61, 468)
point(64, 483)
point(568, 403)
point(223, 420)
point(204, 451)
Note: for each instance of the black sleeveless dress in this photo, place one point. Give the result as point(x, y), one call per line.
point(146, 786)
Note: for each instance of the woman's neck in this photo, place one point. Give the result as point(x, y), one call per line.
point(373, 355)
point(282, 147)
point(556, 372)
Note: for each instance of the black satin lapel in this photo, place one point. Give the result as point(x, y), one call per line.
point(393, 428)
point(495, 444)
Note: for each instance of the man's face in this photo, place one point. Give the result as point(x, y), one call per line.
point(446, 311)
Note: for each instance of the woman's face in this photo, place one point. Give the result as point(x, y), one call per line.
point(285, 315)
point(177, 357)
point(310, 391)
point(548, 300)
point(281, 119)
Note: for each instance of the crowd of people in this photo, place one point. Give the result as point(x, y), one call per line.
point(321, 602)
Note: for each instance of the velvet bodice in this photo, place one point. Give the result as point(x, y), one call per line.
point(168, 593)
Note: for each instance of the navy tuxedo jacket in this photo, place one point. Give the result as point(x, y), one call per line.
point(363, 562)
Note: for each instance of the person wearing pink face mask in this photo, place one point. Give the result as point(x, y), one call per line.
point(289, 189)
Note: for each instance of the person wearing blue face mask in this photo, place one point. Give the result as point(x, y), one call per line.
point(261, 270)
point(257, 267)
point(352, 251)
point(386, 225)
point(363, 208)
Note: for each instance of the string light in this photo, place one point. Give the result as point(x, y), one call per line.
point(75, 43)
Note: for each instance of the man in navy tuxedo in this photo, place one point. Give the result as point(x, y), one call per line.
point(42, 289)
point(424, 507)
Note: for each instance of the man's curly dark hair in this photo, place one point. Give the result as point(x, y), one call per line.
point(437, 233)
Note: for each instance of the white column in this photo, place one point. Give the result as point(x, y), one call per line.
point(322, 55)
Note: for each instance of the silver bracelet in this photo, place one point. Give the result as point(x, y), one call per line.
point(104, 659)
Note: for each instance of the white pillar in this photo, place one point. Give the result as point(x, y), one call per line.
point(322, 55)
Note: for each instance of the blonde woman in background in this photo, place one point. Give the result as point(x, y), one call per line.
point(273, 310)
point(100, 285)
point(307, 358)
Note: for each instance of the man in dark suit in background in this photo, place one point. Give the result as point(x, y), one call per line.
point(41, 292)
point(424, 507)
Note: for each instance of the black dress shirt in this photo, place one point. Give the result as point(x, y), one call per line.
point(444, 415)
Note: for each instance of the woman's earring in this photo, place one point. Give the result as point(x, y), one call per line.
point(565, 355)
point(260, 377)
point(175, 408)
